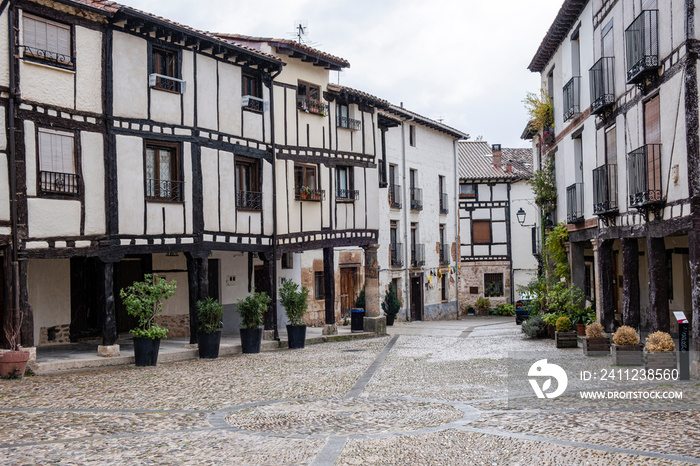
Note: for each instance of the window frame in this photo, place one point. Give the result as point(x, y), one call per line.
point(474, 196)
point(287, 261)
point(252, 81)
point(319, 291)
point(175, 171)
point(482, 222)
point(174, 73)
point(314, 193)
point(57, 182)
point(412, 135)
point(254, 181)
point(308, 104)
point(492, 276)
point(35, 54)
point(350, 194)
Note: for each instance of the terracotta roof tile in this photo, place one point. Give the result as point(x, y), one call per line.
point(475, 162)
point(354, 92)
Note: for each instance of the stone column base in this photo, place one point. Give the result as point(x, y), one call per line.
point(108, 351)
point(375, 325)
point(330, 329)
point(32, 353)
point(695, 369)
point(268, 335)
point(191, 346)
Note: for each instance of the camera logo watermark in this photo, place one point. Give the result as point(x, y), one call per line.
point(541, 369)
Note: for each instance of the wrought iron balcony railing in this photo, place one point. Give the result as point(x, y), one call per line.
point(605, 189)
point(602, 76)
point(642, 46)
point(574, 203)
point(348, 123)
point(59, 183)
point(53, 58)
point(416, 199)
point(444, 206)
point(445, 254)
point(395, 196)
point(572, 98)
point(167, 83)
point(396, 250)
point(312, 106)
point(255, 103)
point(417, 255)
point(305, 193)
point(248, 200)
point(347, 194)
point(164, 190)
point(644, 175)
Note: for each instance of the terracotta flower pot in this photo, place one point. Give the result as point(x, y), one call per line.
point(13, 363)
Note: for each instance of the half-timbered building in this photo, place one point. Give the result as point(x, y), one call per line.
point(497, 252)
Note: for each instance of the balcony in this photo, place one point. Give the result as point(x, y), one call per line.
point(305, 193)
point(445, 254)
point(395, 196)
point(347, 194)
point(644, 176)
point(255, 103)
point(605, 189)
point(46, 56)
point(164, 190)
point(642, 47)
point(396, 250)
point(312, 106)
point(602, 85)
point(417, 255)
point(572, 98)
point(59, 183)
point(348, 123)
point(248, 200)
point(444, 209)
point(574, 203)
point(416, 199)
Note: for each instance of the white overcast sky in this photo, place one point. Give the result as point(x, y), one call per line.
point(462, 61)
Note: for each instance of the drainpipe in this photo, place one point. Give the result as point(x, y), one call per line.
point(407, 254)
point(273, 291)
point(458, 252)
point(12, 147)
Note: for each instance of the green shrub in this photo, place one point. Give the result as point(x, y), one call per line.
point(295, 301)
point(209, 315)
point(482, 304)
point(144, 300)
point(505, 310)
point(534, 327)
point(360, 301)
point(550, 318)
point(564, 299)
point(563, 324)
point(391, 304)
point(252, 309)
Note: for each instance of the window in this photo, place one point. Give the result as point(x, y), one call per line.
point(165, 69)
point(287, 260)
point(251, 88)
point(46, 40)
point(395, 248)
point(445, 290)
point(248, 195)
point(493, 284)
point(481, 231)
point(344, 181)
point(309, 99)
point(443, 195)
point(306, 183)
point(163, 181)
point(56, 162)
point(416, 192)
point(412, 135)
point(320, 292)
point(467, 191)
point(343, 119)
point(394, 189)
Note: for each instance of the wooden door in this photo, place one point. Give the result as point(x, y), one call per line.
point(126, 272)
point(347, 290)
point(213, 278)
point(417, 298)
point(87, 297)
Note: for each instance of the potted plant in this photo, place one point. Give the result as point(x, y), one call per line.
point(595, 343)
point(534, 327)
point(209, 324)
point(295, 305)
point(391, 305)
point(578, 318)
point(550, 320)
point(144, 300)
point(483, 306)
point(626, 349)
point(252, 308)
point(13, 362)
point(660, 352)
point(564, 336)
point(360, 301)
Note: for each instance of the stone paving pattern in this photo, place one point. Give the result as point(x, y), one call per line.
point(437, 398)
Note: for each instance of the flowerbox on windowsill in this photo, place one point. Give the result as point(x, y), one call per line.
point(310, 195)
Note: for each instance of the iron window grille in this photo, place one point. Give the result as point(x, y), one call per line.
point(642, 46)
point(417, 255)
point(444, 209)
point(395, 196)
point(46, 41)
point(493, 284)
point(602, 78)
point(605, 189)
point(164, 190)
point(164, 72)
point(416, 199)
point(249, 200)
point(61, 183)
point(644, 175)
point(574, 203)
point(444, 254)
point(396, 253)
point(572, 98)
point(347, 194)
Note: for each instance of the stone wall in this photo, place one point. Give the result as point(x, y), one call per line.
point(54, 335)
point(177, 325)
point(471, 278)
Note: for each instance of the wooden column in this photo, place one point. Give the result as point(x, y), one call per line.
point(578, 266)
point(198, 282)
point(27, 332)
point(694, 261)
point(268, 264)
point(329, 284)
point(605, 270)
point(630, 283)
point(109, 323)
point(658, 285)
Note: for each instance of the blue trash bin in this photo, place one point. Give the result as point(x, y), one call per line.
point(357, 320)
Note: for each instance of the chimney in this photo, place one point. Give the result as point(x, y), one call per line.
point(509, 167)
point(496, 155)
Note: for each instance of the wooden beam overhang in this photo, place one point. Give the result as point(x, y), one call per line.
point(565, 20)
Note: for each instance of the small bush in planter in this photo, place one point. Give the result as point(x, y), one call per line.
point(626, 336)
point(659, 342)
point(660, 351)
point(360, 301)
point(563, 324)
point(627, 350)
point(252, 309)
point(534, 327)
point(209, 324)
point(596, 343)
point(391, 304)
point(295, 302)
point(564, 337)
point(483, 305)
point(595, 330)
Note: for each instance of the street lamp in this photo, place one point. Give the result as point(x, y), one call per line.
point(521, 216)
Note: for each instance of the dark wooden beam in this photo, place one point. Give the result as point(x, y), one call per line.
point(630, 283)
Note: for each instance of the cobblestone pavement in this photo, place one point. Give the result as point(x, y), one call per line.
point(429, 393)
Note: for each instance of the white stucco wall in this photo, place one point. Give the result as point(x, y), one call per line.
point(130, 75)
point(48, 284)
point(88, 65)
point(53, 217)
point(4, 188)
point(130, 184)
point(176, 268)
point(92, 152)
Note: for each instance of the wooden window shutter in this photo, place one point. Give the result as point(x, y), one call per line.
point(56, 151)
point(652, 121)
point(481, 230)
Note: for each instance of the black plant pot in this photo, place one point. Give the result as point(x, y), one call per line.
point(208, 344)
point(296, 334)
point(250, 340)
point(390, 319)
point(146, 351)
